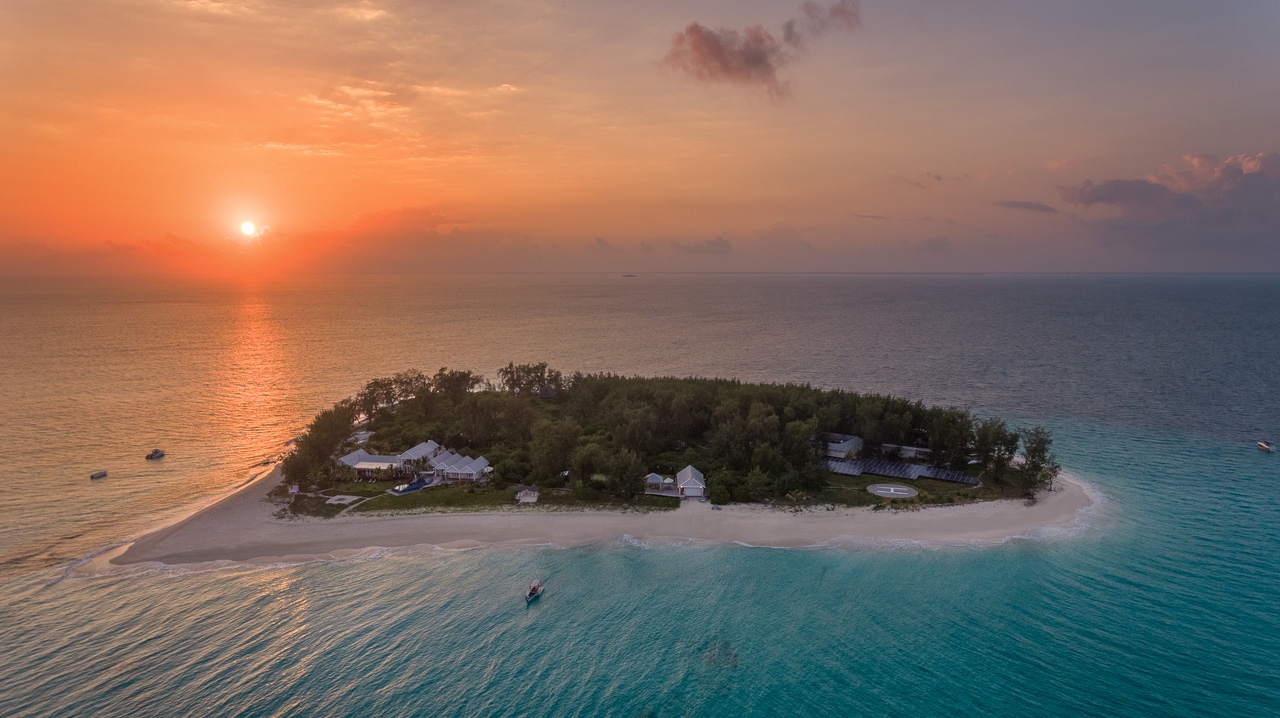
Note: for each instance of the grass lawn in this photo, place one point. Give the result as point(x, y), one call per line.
point(310, 506)
point(456, 496)
point(364, 488)
point(852, 491)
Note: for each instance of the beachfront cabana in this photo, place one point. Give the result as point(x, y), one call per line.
point(526, 494)
point(690, 482)
point(653, 480)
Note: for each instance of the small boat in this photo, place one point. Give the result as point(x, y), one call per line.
point(535, 589)
point(155, 454)
point(1266, 446)
point(98, 475)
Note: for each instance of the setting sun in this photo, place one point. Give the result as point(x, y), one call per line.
point(247, 228)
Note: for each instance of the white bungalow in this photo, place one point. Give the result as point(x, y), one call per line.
point(368, 465)
point(452, 467)
point(690, 482)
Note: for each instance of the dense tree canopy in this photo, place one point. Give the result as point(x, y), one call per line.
point(753, 441)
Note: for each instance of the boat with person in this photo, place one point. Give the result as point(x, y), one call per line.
point(155, 454)
point(98, 475)
point(1266, 446)
point(534, 590)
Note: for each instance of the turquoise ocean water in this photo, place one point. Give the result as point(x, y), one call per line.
point(1162, 602)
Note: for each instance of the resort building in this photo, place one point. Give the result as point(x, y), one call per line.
point(690, 482)
point(426, 462)
point(904, 452)
point(843, 446)
point(425, 450)
point(368, 466)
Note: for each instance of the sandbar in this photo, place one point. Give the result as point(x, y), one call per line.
point(242, 528)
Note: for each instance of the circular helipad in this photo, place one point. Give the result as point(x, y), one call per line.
point(892, 491)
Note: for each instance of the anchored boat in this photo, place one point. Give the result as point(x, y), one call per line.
point(155, 454)
point(535, 589)
point(98, 475)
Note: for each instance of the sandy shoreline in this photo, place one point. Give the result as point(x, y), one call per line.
point(241, 527)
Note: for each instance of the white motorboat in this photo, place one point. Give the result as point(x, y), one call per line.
point(535, 589)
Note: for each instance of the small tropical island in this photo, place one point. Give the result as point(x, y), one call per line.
point(458, 441)
point(455, 461)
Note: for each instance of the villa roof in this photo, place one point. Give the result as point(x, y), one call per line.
point(355, 457)
point(421, 451)
point(444, 460)
point(653, 479)
point(474, 466)
point(690, 476)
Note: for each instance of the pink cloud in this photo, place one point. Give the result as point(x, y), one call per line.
point(754, 56)
point(1233, 200)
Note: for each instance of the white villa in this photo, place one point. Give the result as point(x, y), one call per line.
point(368, 465)
point(690, 482)
point(427, 460)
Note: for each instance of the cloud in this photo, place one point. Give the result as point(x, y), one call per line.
point(815, 20)
point(718, 247)
point(1232, 201)
point(1026, 206)
point(754, 56)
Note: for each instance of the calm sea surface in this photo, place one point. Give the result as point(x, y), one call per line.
point(1164, 602)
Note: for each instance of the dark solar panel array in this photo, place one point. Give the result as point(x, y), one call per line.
point(896, 469)
point(948, 475)
point(848, 467)
point(888, 467)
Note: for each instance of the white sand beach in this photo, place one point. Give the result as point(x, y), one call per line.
point(241, 527)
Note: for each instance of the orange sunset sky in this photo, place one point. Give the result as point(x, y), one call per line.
point(397, 136)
